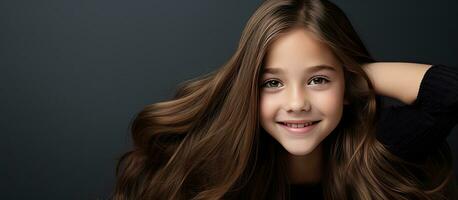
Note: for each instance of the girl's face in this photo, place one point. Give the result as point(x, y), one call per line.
point(293, 87)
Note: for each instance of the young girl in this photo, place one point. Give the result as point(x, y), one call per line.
point(296, 112)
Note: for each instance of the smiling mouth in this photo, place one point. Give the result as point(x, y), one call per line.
point(299, 130)
point(285, 124)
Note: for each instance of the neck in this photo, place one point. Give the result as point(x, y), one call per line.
point(306, 169)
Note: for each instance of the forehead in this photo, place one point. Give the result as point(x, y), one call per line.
point(299, 47)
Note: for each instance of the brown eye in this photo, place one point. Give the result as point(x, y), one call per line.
point(270, 83)
point(320, 80)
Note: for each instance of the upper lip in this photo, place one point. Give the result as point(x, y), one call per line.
point(298, 121)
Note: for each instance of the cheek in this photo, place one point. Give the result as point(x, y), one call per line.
point(334, 104)
point(267, 109)
point(328, 102)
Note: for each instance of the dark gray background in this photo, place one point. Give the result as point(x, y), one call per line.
point(74, 73)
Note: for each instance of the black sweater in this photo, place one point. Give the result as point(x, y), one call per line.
point(412, 131)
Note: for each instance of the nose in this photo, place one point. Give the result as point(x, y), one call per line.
point(297, 100)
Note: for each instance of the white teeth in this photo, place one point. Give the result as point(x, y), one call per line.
point(298, 125)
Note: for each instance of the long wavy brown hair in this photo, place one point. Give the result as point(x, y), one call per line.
point(207, 143)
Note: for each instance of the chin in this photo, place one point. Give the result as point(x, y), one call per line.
point(299, 151)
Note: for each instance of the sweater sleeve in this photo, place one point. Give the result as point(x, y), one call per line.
point(412, 131)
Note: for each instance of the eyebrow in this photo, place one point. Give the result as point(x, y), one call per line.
point(311, 69)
